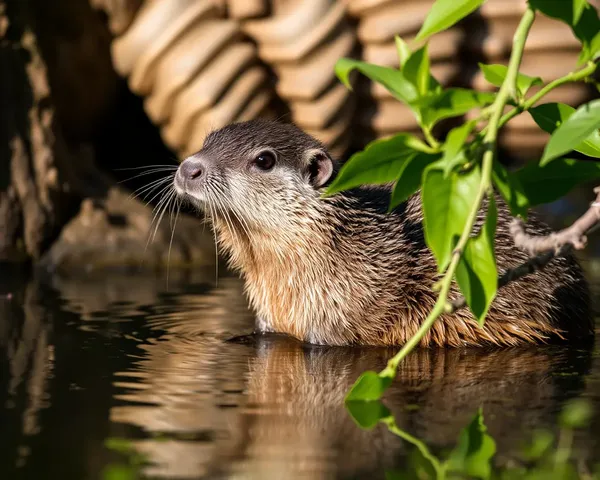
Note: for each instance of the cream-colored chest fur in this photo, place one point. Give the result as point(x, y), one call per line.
point(294, 287)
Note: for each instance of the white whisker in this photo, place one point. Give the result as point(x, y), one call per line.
point(169, 196)
point(173, 167)
point(240, 218)
point(178, 205)
point(160, 192)
point(227, 220)
point(149, 172)
point(151, 187)
point(212, 214)
point(157, 211)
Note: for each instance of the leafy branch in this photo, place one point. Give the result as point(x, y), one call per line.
point(456, 177)
point(490, 139)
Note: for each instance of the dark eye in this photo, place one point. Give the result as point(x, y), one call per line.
point(265, 160)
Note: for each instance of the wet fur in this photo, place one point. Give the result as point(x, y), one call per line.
point(342, 270)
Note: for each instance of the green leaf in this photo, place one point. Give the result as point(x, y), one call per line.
point(403, 50)
point(511, 190)
point(445, 13)
point(391, 78)
point(535, 185)
point(591, 51)
point(454, 153)
point(495, 74)
point(446, 206)
point(368, 387)
point(409, 180)
point(476, 273)
point(416, 70)
point(367, 414)
point(587, 30)
point(382, 161)
point(554, 180)
point(576, 414)
point(573, 131)
point(474, 452)
point(452, 102)
point(578, 7)
point(550, 116)
point(569, 11)
point(581, 16)
point(541, 443)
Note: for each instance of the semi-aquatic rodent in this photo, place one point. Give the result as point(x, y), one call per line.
point(342, 270)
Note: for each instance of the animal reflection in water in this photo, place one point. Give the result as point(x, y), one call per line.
point(273, 407)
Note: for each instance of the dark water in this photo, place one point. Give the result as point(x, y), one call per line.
point(88, 359)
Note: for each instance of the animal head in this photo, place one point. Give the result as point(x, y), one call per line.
point(255, 170)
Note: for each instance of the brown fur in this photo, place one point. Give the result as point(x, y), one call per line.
point(342, 270)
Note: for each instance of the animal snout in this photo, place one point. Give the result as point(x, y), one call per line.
point(190, 172)
point(191, 169)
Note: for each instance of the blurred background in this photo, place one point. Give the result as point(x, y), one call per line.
point(93, 89)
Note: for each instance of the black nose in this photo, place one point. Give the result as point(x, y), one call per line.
point(191, 169)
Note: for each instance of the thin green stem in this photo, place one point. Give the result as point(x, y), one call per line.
point(430, 138)
point(569, 78)
point(390, 422)
point(490, 138)
point(436, 311)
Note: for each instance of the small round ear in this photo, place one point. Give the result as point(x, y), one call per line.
point(320, 167)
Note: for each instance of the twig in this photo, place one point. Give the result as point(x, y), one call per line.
point(574, 235)
point(544, 248)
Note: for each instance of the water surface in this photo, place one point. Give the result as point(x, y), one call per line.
point(87, 359)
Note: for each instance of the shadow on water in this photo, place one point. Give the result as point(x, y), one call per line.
point(88, 359)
